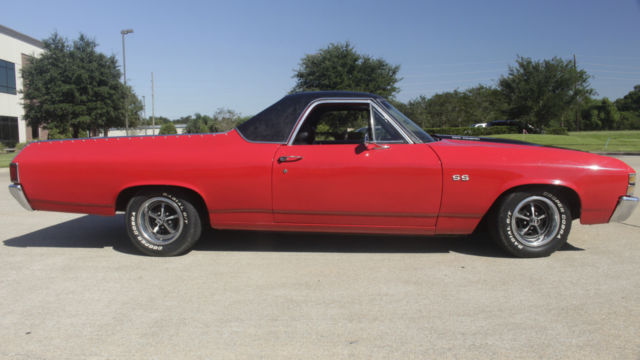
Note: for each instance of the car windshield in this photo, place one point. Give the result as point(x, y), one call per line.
point(407, 123)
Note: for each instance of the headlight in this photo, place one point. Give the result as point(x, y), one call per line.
point(632, 183)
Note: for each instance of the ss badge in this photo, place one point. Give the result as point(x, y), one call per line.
point(460, 177)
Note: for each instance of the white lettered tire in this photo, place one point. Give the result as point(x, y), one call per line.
point(531, 223)
point(163, 223)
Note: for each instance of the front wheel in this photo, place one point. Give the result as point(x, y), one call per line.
point(531, 224)
point(162, 223)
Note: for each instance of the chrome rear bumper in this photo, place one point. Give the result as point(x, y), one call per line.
point(18, 194)
point(625, 207)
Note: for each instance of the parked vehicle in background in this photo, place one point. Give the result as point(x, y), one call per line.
point(515, 123)
point(326, 162)
point(479, 125)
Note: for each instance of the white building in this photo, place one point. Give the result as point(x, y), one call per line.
point(15, 51)
point(143, 130)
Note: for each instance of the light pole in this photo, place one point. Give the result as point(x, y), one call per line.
point(144, 113)
point(126, 94)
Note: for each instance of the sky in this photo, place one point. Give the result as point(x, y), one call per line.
point(242, 55)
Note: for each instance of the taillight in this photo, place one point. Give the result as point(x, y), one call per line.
point(13, 171)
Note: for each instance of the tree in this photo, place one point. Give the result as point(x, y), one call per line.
point(135, 107)
point(601, 115)
point(71, 89)
point(160, 120)
point(197, 124)
point(631, 101)
point(168, 129)
point(541, 92)
point(224, 119)
point(456, 108)
point(629, 108)
point(340, 67)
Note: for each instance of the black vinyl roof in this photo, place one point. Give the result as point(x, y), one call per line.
point(274, 124)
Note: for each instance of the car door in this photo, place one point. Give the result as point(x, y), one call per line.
point(357, 170)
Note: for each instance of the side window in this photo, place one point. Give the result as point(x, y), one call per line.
point(335, 123)
point(346, 123)
point(384, 131)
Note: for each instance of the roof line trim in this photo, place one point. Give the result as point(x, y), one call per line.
point(20, 36)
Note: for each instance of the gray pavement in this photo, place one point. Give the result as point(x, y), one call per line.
point(72, 287)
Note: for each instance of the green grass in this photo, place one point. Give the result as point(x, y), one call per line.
point(5, 159)
point(627, 141)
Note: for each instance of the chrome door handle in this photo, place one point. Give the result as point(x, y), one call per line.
point(380, 147)
point(374, 146)
point(290, 158)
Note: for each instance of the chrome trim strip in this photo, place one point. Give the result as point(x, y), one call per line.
point(319, 101)
point(18, 194)
point(372, 125)
point(626, 205)
point(393, 123)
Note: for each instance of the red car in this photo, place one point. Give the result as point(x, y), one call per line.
point(330, 162)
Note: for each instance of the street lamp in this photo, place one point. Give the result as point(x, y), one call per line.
point(126, 95)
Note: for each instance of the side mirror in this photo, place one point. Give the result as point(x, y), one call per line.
point(372, 146)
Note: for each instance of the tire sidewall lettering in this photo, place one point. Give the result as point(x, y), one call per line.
point(177, 201)
point(135, 226)
point(564, 225)
point(509, 231)
point(563, 214)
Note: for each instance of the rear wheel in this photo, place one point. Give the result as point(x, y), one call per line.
point(531, 224)
point(163, 223)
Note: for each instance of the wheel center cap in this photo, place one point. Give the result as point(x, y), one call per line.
point(534, 221)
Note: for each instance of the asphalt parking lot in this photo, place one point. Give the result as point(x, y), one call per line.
point(72, 287)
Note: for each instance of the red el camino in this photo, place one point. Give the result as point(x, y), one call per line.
point(331, 162)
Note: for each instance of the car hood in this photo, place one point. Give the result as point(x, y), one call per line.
point(484, 139)
point(490, 152)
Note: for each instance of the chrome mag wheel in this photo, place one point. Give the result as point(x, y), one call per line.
point(535, 221)
point(160, 220)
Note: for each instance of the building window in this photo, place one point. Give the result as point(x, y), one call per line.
point(9, 130)
point(7, 77)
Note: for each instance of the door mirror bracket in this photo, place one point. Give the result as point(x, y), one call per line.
point(372, 145)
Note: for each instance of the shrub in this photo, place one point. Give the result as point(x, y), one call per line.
point(556, 131)
point(9, 144)
point(55, 134)
point(168, 129)
point(473, 131)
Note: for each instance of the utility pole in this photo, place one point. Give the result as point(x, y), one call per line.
point(153, 107)
point(126, 92)
point(575, 86)
point(144, 113)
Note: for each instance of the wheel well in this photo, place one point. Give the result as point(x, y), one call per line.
point(568, 195)
point(197, 200)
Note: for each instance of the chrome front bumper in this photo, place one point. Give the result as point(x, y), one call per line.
point(625, 207)
point(18, 194)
